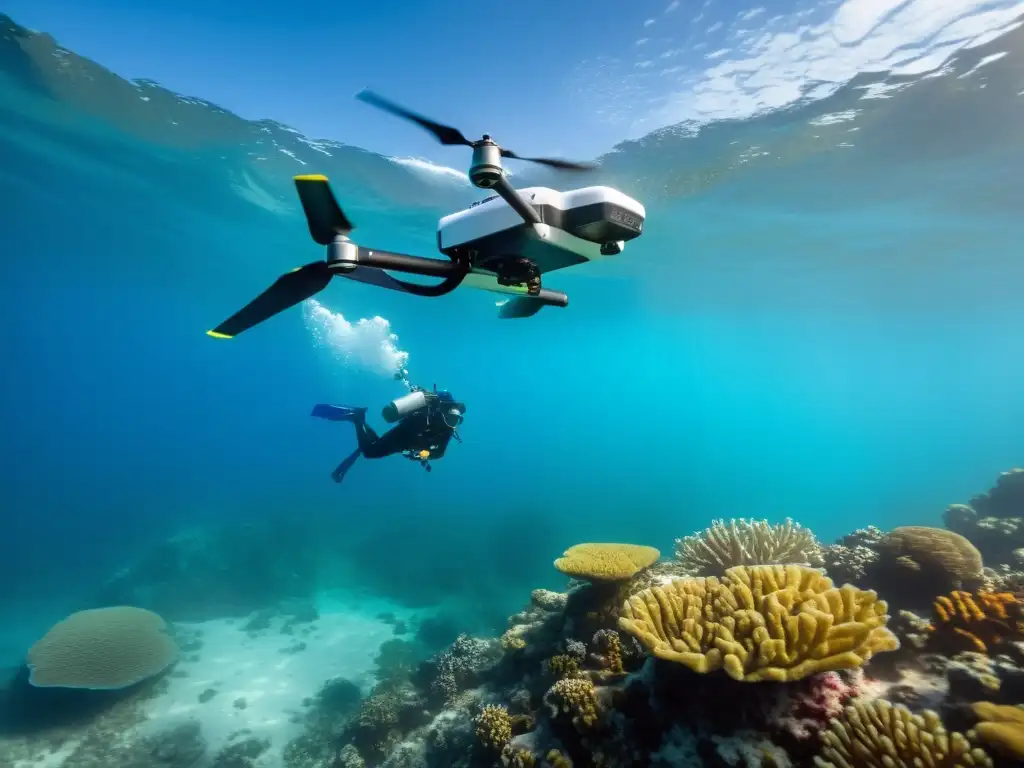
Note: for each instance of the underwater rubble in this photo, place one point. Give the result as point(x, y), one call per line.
point(751, 645)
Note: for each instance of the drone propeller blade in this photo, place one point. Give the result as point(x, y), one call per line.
point(323, 214)
point(565, 165)
point(287, 291)
point(445, 134)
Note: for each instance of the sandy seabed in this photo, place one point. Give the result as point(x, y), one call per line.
point(236, 681)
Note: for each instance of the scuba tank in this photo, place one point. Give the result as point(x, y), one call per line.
point(402, 406)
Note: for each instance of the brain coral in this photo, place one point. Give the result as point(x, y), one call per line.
point(606, 562)
point(747, 542)
point(102, 649)
point(776, 623)
point(936, 552)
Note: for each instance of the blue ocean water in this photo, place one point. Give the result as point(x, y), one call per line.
point(811, 326)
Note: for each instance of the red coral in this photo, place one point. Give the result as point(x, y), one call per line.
point(803, 710)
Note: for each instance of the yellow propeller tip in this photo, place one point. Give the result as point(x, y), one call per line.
point(215, 335)
point(311, 177)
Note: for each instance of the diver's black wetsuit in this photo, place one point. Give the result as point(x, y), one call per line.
point(423, 430)
point(429, 429)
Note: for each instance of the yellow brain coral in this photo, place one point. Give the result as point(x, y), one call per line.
point(772, 622)
point(877, 734)
point(606, 562)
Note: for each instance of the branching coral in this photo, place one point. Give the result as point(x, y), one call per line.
point(457, 667)
point(747, 542)
point(777, 623)
point(608, 648)
point(562, 666)
point(979, 622)
point(1001, 728)
point(517, 757)
point(493, 727)
point(606, 562)
point(876, 734)
point(577, 698)
point(556, 759)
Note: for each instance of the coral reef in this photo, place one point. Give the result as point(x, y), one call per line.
point(760, 623)
point(576, 689)
point(754, 646)
point(102, 649)
point(747, 542)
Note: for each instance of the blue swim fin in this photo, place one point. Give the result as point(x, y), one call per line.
point(336, 412)
point(339, 474)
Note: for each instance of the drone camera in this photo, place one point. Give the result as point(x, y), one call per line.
point(613, 248)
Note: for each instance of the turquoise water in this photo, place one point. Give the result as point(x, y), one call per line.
point(824, 331)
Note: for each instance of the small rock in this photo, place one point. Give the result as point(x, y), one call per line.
point(206, 695)
point(240, 703)
point(242, 754)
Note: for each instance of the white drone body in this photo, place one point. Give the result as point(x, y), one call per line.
point(577, 226)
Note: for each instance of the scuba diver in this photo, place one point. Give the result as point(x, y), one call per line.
point(427, 421)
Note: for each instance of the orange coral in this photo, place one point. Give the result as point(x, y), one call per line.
point(976, 622)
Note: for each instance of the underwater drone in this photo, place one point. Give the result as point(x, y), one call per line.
point(503, 243)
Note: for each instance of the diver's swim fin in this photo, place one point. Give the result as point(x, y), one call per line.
point(336, 412)
point(287, 291)
point(339, 473)
point(324, 216)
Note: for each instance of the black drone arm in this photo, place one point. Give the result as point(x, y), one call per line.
point(516, 201)
point(370, 264)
